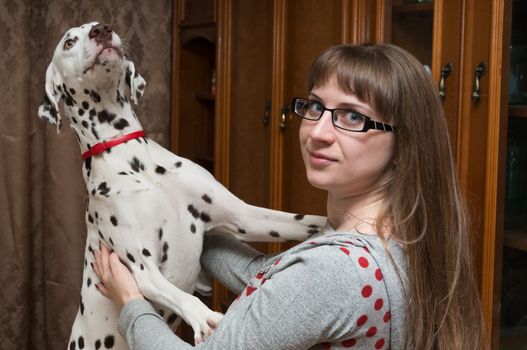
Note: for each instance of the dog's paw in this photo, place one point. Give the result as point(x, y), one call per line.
point(202, 320)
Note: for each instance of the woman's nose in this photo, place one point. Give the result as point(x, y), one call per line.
point(323, 129)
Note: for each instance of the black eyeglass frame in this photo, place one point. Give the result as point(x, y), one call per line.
point(368, 122)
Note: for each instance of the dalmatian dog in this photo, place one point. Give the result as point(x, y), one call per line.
point(147, 204)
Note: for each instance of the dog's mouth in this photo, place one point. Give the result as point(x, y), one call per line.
point(96, 60)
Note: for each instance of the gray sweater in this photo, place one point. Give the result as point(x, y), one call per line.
point(333, 291)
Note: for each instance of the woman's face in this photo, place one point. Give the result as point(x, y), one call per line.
point(342, 162)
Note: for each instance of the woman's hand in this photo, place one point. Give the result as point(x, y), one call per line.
point(117, 282)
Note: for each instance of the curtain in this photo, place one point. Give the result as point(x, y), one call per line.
point(42, 194)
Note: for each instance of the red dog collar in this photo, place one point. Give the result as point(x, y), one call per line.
point(103, 146)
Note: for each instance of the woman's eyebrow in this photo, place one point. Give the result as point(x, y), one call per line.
point(345, 105)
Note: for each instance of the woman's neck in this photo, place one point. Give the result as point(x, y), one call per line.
point(355, 212)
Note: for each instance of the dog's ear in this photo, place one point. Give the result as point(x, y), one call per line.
point(136, 82)
point(49, 109)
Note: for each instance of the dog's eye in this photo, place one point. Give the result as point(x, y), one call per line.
point(68, 44)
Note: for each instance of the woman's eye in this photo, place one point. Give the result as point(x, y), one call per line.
point(350, 117)
point(316, 107)
point(68, 44)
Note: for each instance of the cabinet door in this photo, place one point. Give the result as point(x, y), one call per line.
point(431, 31)
point(307, 27)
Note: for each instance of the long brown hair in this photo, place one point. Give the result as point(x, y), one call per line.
point(423, 207)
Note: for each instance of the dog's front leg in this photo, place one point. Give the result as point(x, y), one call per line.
point(156, 288)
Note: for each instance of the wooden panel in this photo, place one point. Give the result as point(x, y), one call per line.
point(312, 27)
point(250, 91)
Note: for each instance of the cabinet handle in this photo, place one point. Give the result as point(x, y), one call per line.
point(480, 70)
point(267, 112)
point(283, 116)
point(445, 72)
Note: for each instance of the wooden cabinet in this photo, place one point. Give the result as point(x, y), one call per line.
point(259, 53)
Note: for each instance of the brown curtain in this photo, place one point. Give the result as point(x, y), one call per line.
point(42, 229)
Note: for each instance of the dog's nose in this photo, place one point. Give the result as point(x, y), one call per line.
point(101, 32)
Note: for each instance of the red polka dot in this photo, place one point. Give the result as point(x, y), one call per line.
point(345, 250)
point(277, 261)
point(378, 275)
point(349, 343)
point(378, 304)
point(312, 243)
point(362, 320)
point(250, 290)
point(366, 291)
point(260, 275)
point(387, 316)
point(363, 262)
point(379, 343)
point(371, 332)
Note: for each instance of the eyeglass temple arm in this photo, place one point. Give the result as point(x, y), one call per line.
point(372, 124)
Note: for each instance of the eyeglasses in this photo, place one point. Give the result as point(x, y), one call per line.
point(344, 119)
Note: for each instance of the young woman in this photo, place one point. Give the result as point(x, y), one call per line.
point(391, 269)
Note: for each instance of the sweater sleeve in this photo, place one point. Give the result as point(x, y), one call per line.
point(311, 298)
point(230, 261)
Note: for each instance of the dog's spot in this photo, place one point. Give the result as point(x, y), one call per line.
point(113, 219)
point(160, 233)
point(86, 91)
point(178, 164)
point(172, 318)
point(192, 228)
point(106, 117)
point(121, 124)
point(274, 234)
point(98, 344)
point(128, 76)
point(312, 231)
point(73, 345)
point(130, 257)
point(85, 124)
point(103, 189)
point(165, 250)
point(160, 170)
point(242, 231)
point(95, 96)
point(90, 218)
point(90, 249)
point(111, 242)
point(72, 91)
point(205, 217)
point(193, 211)
point(93, 113)
point(136, 165)
point(206, 198)
point(122, 173)
point(88, 282)
point(141, 267)
point(109, 341)
point(85, 105)
point(100, 234)
point(146, 252)
point(94, 132)
point(87, 165)
point(299, 217)
point(81, 112)
point(82, 306)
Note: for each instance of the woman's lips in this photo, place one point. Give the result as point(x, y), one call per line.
point(320, 159)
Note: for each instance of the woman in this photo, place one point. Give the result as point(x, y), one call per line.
point(391, 269)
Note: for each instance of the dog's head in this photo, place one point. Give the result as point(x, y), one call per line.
point(88, 60)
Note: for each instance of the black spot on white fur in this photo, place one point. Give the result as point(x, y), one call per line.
point(207, 199)
point(109, 342)
point(274, 234)
point(130, 257)
point(146, 252)
point(165, 252)
point(299, 217)
point(136, 165)
point(160, 170)
point(193, 211)
point(113, 219)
